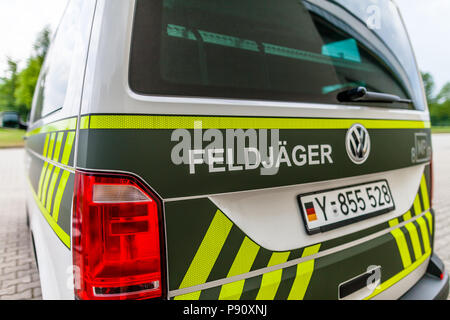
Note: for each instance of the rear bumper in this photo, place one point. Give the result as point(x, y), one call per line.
point(430, 286)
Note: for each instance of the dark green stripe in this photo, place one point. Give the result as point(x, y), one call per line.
point(64, 217)
point(186, 224)
point(409, 243)
point(210, 294)
point(336, 268)
point(262, 259)
point(251, 288)
point(419, 232)
point(227, 255)
point(287, 280)
point(105, 148)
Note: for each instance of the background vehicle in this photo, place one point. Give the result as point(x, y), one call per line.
point(140, 113)
point(9, 119)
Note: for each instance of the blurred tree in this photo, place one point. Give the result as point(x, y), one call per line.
point(42, 43)
point(28, 77)
point(444, 94)
point(8, 85)
point(428, 83)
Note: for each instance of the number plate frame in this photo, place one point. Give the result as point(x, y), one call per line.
point(344, 222)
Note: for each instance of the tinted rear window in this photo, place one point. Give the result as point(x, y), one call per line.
point(289, 50)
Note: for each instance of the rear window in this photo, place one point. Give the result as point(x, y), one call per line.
point(289, 50)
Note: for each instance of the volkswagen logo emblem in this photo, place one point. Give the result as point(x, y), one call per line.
point(357, 143)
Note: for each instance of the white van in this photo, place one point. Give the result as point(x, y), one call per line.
point(208, 149)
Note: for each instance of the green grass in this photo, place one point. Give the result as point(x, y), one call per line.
point(440, 129)
point(10, 138)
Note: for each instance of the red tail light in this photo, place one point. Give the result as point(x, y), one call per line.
point(117, 242)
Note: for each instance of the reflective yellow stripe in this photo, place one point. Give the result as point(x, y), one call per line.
point(188, 296)
point(65, 238)
point(68, 147)
point(241, 264)
point(407, 216)
point(424, 230)
point(84, 122)
point(303, 275)
point(401, 243)
point(51, 189)
point(417, 206)
point(66, 124)
point(46, 181)
point(41, 179)
point(399, 276)
point(58, 146)
point(207, 253)
point(47, 138)
point(271, 280)
point(59, 193)
point(424, 190)
point(429, 217)
point(51, 145)
point(414, 239)
point(393, 223)
point(187, 122)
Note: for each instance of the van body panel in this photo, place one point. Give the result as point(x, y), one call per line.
point(233, 232)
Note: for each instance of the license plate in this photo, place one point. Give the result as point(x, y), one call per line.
point(329, 209)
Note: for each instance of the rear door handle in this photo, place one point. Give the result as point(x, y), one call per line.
point(361, 286)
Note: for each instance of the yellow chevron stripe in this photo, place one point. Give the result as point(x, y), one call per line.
point(429, 217)
point(51, 188)
point(207, 253)
point(68, 147)
point(42, 190)
point(46, 181)
point(417, 206)
point(414, 239)
point(51, 145)
point(399, 237)
point(424, 190)
point(187, 122)
point(58, 146)
point(47, 138)
point(41, 179)
point(59, 194)
point(407, 216)
point(65, 238)
point(188, 296)
point(303, 275)
point(271, 280)
point(424, 230)
point(242, 264)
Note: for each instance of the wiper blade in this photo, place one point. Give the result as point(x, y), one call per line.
point(361, 94)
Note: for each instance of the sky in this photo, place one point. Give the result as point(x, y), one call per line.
point(21, 21)
point(426, 20)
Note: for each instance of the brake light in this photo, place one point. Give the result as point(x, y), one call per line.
point(117, 242)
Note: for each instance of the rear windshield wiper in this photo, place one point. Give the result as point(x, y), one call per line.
point(361, 94)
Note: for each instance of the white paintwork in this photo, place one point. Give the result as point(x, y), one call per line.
point(272, 218)
point(53, 257)
point(107, 89)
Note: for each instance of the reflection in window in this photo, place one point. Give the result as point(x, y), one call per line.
point(290, 50)
point(51, 90)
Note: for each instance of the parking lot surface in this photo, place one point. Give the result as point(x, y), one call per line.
point(19, 278)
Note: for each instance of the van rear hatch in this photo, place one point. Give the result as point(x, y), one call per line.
point(267, 206)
